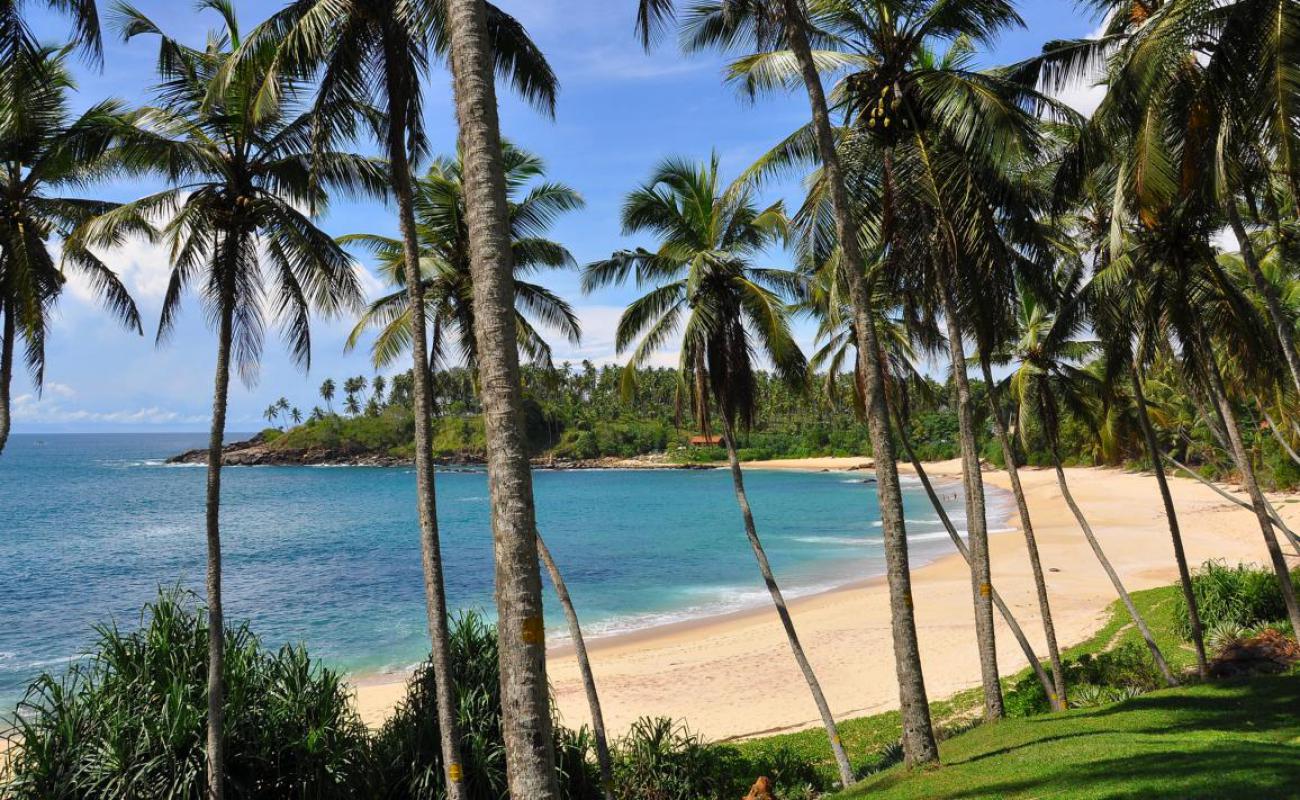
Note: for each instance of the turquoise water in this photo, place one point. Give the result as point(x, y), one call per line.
point(91, 525)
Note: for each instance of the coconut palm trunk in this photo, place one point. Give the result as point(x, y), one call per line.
point(1056, 694)
point(1171, 514)
point(1278, 524)
point(976, 515)
point(778, 600)
point(919, 744)
point(7, 342)
point(1049, 418)
point(422, 391)
point(526, 718)
point(1277, 433)
point(216, 751)
point(1258, 504)
point(1281, 327)
point(1049, 690)
point(584, 667)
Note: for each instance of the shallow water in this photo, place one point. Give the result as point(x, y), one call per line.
point(91, 525)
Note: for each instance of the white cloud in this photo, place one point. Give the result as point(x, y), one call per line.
point(1087, 92)
point(371, 286)
point(30, 409)
point(1083, 96)
point(599, 326)
point(617, 62)
point(142, 266)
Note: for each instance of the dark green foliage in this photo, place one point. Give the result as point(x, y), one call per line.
point(661, 759)
point(1106, 676)
point(624, 439)
point(408, 749)
point(392, 428)
point(129, 720)
point(1240, 596)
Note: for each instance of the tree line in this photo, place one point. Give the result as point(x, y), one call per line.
point(954, 213)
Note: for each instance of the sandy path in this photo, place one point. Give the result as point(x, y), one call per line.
point(734, 675)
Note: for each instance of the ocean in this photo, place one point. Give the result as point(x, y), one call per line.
point(92, 525)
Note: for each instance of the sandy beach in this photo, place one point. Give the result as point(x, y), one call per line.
point(733, 675)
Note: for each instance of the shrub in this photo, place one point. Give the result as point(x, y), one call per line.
point(129, 721)
point(1240, 596)
point(661, 759)
point(408, 748)
point(1124, 671)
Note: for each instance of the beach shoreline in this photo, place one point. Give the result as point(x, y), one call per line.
point(731, 675)
point(702, 621)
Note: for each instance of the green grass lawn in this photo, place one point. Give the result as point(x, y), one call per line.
point(1223, 740)
point(866, 739)
point(1220, 740)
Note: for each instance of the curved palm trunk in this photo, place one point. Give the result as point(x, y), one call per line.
point(778, 600)
point(1272, 512)
point(919, 744)
point(1088, 534)
point(1175, 533)
point(526, 718)
point(976, 516)
point(584, 667)
point(1258, 504)
point(435, 597)
point(1281, 328)
point(1016, 631)
point(1056, 694)
point(216, 751)
point(1277, 434)
point(7, 341)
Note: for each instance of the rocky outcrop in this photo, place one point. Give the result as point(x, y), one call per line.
point(258, 452)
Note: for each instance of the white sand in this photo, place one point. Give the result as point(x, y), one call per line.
point(734, 675)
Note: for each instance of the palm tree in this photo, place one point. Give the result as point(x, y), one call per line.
point(1048, 377)
point(236, 233)
point(1197, 114)
point(17, 41)
point(327, 393)
point(1129, 320)
point(702, 281)
point(1182, 293)
point(364, 47)
point(448, 293)
point(787, 24)
point(530, 757)
point(295, 414)
point(603, 759)
point(44, 152)
point(904, 335)
point(937, 143)
point(444, 263)
point(351, 388)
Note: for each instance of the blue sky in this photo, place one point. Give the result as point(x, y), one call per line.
point(620, 111)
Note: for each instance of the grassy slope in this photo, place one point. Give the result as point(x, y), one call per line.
point(866, 738)
point(1211, 741)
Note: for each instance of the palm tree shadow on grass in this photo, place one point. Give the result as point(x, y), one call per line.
point(1249, 769)
point(1161, 760)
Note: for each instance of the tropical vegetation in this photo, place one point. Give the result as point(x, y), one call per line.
point(1124, 283)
